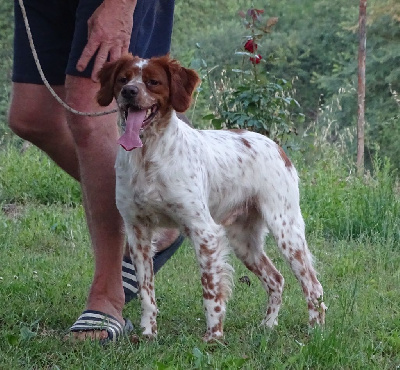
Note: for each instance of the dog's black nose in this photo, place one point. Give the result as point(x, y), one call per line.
point(129, 91)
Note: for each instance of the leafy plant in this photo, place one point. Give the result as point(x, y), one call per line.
point(251, 98)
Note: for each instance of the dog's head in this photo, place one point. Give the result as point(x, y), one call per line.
point(146, 90)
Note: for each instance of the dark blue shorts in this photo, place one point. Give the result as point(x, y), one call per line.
point(59, 31)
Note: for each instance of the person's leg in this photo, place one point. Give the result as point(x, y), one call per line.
point(34, 116)
point(95, 139)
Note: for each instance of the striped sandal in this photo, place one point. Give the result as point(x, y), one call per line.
point(95, 320)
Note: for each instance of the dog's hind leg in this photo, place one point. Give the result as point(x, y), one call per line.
point(139, 240)
point(288, 230)
point(247, 241)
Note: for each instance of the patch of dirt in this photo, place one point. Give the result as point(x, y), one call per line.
point(12, 210)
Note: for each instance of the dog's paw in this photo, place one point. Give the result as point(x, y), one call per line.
point(150, 332)
point(149, 337)
point(269, 322)
point(209, 337)
point(317, 314)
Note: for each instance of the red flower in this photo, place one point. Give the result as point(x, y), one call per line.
point(256, 59)
point(250, 46)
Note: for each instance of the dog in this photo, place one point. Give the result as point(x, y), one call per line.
point(220, 188)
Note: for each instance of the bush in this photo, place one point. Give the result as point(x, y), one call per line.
point(248, 97)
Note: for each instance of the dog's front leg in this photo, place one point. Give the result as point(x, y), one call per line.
point(141, 249)
point(211, 250)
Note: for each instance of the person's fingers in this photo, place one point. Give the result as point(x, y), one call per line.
point(115, 53)
point(104, 51)
point(101, 58)
point(87, 54)
point(125, 46)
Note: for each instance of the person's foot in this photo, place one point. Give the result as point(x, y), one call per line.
point(96, 325)
point(106, 297)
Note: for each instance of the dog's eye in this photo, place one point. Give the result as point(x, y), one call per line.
point(123, 80)
point(152, 83)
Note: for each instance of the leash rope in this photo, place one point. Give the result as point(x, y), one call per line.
point(42, 76)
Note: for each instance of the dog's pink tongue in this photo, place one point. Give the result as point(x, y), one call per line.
point(130, 138)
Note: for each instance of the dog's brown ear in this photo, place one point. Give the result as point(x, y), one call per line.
point(183, 81)
point(107, 76)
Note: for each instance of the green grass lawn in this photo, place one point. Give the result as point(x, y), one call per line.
point(46, 268)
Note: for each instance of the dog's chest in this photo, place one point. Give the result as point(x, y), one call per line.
point(140, 192)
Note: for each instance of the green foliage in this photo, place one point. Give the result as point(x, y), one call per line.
point(340, 205)
point(213, 25)
point(314, 45)
point(260, 107)
point(324, 56)
point(248, 97)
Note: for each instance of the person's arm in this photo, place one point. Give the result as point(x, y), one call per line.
point(109, 33)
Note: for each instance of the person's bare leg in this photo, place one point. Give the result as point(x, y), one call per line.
point(35, 116)
point(95, 139)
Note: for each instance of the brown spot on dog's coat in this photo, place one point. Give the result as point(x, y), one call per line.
point(245, 142)
point(278, 278)
point(284, 157)
point(299, 256)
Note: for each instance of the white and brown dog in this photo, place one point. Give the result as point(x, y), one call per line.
point(221, 188)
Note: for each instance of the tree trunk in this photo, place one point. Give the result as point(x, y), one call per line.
point(361, 87)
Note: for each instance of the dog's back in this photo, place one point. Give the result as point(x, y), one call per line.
point(226, 169)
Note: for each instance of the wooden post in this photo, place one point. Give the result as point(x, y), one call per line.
point(361, 86)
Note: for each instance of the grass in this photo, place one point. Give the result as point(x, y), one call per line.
point(46, 268)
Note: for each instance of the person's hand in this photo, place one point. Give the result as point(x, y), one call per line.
point(109, 33)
